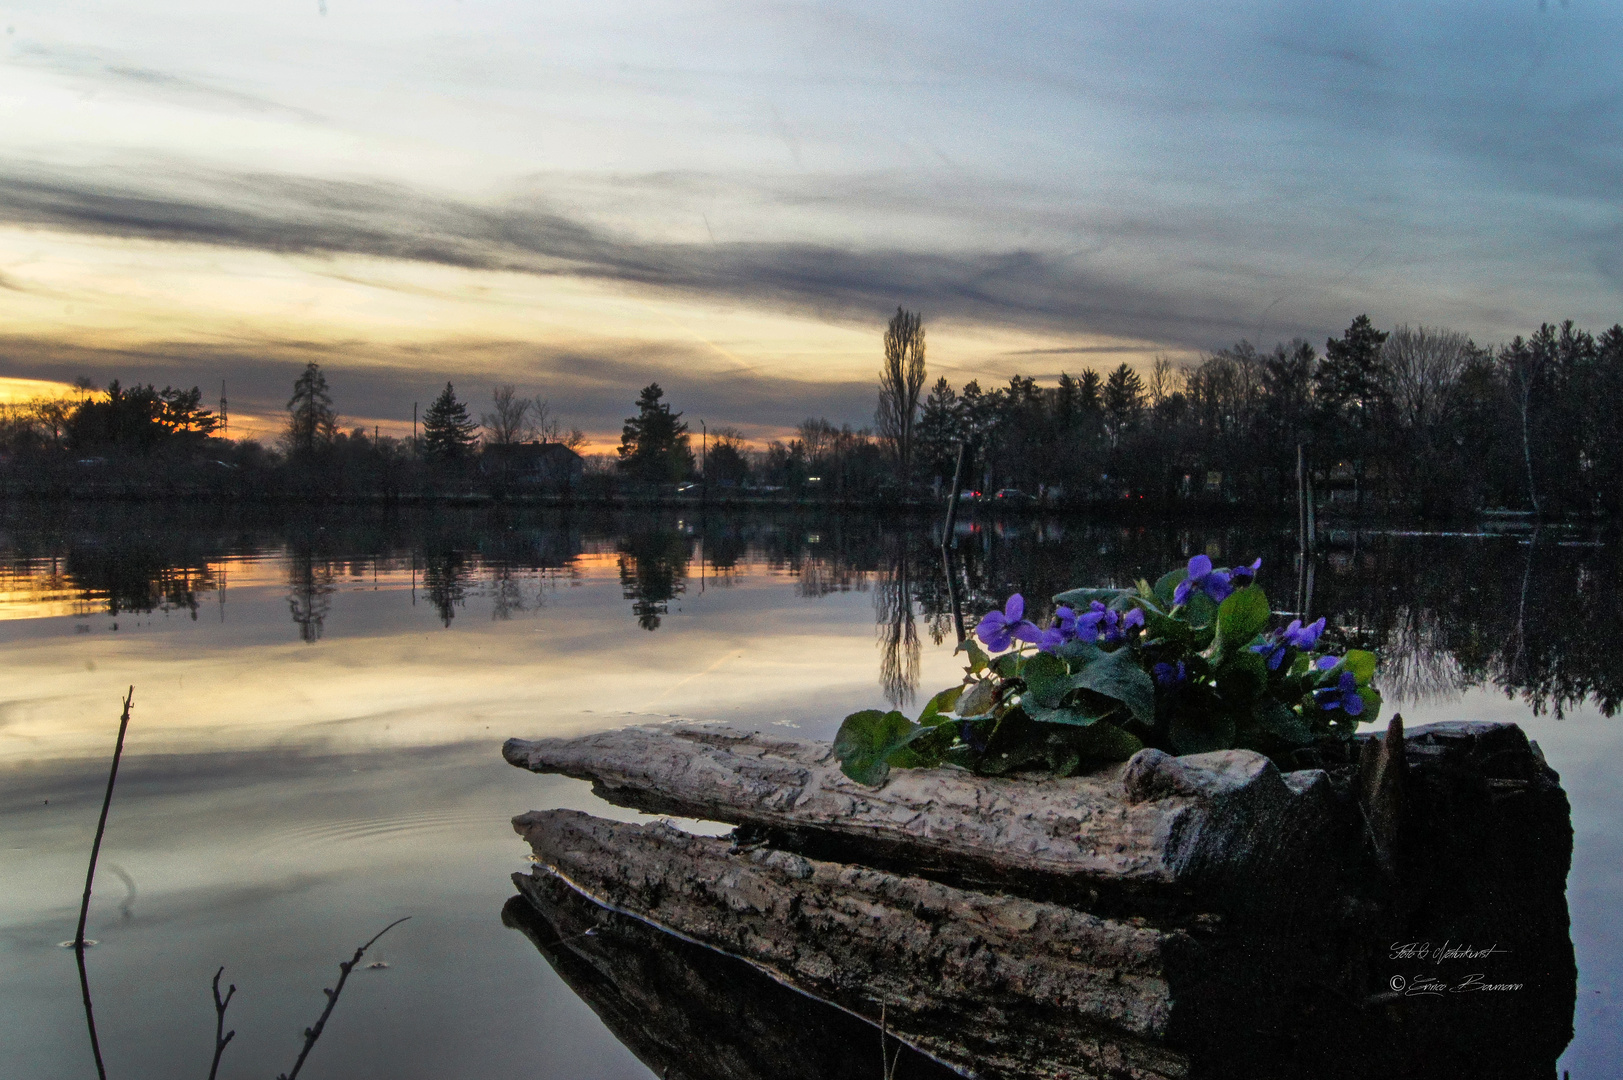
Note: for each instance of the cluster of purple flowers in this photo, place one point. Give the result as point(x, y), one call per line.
point(1215, 583)
point(999, 630)
point(1343, 695)
point(1295, 636)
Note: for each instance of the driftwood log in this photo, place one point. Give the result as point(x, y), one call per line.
point(1226, 829)
point(1103, 925)
point(984, 982)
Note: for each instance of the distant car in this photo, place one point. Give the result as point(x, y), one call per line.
point(967, 496)
point(683, 489)
point(1009, 496)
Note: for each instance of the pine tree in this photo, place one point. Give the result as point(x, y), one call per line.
point(448, 434)
point(654, 443)
point(311, 424)
point(1123, 400)
point(1350, 383)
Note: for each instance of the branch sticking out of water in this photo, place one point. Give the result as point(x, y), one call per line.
point(220, 1005)
point(90, 881)
point(311, 1034)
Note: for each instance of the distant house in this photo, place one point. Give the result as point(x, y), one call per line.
point(548, 466)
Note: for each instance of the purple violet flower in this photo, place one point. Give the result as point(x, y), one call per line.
point(1214, 583)
point(1242, 576)
point(1170, 676)
point(1001, 629)
point(1295, 636)
point(1343, 695)
point(1100, 623)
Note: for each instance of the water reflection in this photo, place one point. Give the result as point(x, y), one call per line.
point(898, 631)
point(309, 593)
point(1528, 615)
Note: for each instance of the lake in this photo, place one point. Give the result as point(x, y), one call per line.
point(321, 698)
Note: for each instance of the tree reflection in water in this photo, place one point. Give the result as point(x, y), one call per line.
point(898, 632)
point(1533, 616)
point(309, 594)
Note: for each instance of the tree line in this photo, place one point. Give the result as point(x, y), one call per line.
point(168, 435)
point(1409, 421)
point(1414, 421)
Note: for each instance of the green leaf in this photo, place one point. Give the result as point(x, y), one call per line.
point(1240, 618)
point(978, 660)
point(1081, 598)
point(1117, 675)
point(1106, 742)
point(865, 742)
point(1079, 652)
point(1361, 664)
point(1199, 610)
point(1047, 679)
point(1242, 677)
point(1190, 736)
point(1169, 583)
point(940, 704)
point(1372, 705)
point(1280, 720)
point(1045, 715)
point(1008, 665)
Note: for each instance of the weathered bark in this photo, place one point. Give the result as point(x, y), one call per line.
point(992, 984)
point(691, 1013)
point(1382, 770)
point(1226, 830)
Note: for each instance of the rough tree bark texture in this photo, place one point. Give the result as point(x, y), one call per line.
point(1227, 827)
point(995, 984)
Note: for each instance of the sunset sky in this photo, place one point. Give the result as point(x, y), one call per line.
point(731, 199)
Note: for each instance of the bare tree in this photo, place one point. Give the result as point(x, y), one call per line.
point(900, 381)
point(549, 427)
point(1424, 368)
point(1163, 381)
point(508, 421)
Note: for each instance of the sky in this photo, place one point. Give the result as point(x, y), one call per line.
point(731, 199)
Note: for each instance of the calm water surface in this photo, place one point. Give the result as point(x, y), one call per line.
point(320, 704)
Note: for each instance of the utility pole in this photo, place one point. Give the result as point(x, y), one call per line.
point(704, 461)
point(225, 418)
point(414, 426)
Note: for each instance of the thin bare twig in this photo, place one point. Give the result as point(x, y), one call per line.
point(220, 1005)
point(90, 880)
point(311, 1034)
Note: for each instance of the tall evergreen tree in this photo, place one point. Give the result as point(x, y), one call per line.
point(311, 422)
point(654, 443)
point(448, 433)
point(1123, 400)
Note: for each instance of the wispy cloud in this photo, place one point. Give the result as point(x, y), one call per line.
point(1024, 287)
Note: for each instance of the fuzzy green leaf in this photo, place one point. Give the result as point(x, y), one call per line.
point(934, 712)
point(1361, 664)
point(1117, 675)
point(866, 741)
point(1240, 618)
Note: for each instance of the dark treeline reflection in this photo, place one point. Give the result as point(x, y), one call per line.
point(1531, 614)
